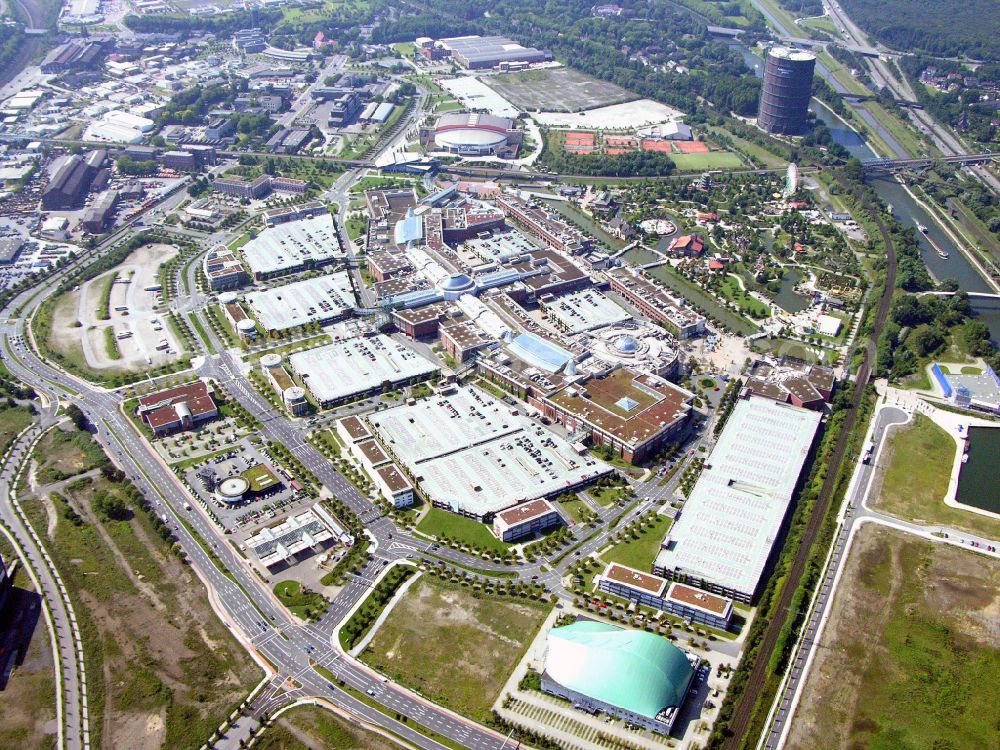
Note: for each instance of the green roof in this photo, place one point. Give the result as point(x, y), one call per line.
point(630, 669)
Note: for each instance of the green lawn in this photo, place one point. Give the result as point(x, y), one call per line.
point(12, 421)
point(572, 507)
point(752, 306)
point(824, 24)
point(456, 648)
point(606, 496)
point(916, 479)
point(641, 547)
point(446, 525)
point(711, 160)
point(303, 603)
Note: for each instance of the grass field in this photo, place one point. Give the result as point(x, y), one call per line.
point(63, 454)
point(751, 149)
point(918, 464)
point(605, 496)
point(820, 23)
point(641, 547)
point(162, 669)
point(572, 507)
point(468, 646)
point(443, 524)
point(305, 727)
point(711, 160)
point(923, 676)
point(13, 419)
point(752, 306)
point(302, 603)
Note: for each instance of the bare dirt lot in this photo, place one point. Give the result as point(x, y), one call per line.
point(910, 656)
point(142, 337)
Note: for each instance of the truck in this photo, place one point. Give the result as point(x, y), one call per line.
point(869, 449)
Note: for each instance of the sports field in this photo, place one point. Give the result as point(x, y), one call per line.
point(711, 160)
point(556, 90)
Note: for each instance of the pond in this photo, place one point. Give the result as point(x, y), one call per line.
point(977, 485)
point(787, 298)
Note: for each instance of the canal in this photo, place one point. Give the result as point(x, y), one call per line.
point(977, 478)
point(906, 210)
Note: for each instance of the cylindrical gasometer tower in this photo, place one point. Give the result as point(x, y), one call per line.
point(784, 99)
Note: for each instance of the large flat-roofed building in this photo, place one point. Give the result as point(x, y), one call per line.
point(477, 52)
point(637, 676)
point(320, 300)
point(393, 485)
point(223, 269)
point(295, 538)
point(293, 246)
point(525, 519)
point(633, 413)
point(733, 517)
point(179, 408)
point(581, 311)
point(655, 301)
point(258, 187)
point(351, 368)
point(475, 455)
point(677, 599)
point(549, 226)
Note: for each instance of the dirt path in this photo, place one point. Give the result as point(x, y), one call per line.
point(122, 561)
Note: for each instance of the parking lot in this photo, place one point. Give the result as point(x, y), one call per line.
point(263, 503)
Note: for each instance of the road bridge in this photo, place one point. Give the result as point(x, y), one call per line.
point(892, 165)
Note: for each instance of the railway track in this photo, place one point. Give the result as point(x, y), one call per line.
point(740, 721)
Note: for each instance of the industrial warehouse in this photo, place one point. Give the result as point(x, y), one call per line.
point(477, 52)
point(355, 367)
point(733, 517)
point(476, 456)
point(293, 246)
point(319, 300)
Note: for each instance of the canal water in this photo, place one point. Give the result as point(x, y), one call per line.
point(906, 210)
point(977, 484)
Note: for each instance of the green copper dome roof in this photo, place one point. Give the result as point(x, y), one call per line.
point(630, 669)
